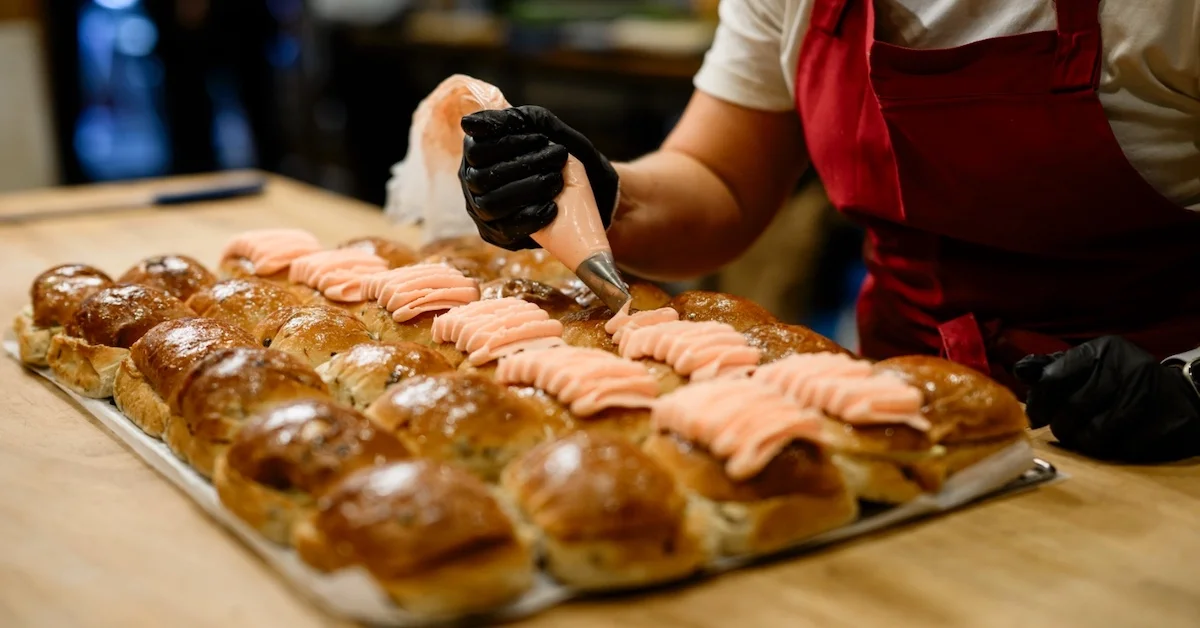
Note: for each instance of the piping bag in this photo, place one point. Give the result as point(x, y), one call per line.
point(425, 189)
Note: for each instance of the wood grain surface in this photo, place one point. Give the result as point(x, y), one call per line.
point(91, 537)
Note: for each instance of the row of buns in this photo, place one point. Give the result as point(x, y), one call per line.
point(449, 459)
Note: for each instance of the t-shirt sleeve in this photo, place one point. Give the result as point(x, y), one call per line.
point(744, 64)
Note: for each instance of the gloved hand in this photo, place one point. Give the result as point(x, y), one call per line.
point(511, 172)
point(1109, 399)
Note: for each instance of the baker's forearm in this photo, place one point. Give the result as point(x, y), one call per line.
point(676, 218)
point(712, 188)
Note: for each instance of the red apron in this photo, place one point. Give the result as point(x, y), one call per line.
point(1002, 217)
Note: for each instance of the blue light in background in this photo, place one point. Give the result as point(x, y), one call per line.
point(120, 133)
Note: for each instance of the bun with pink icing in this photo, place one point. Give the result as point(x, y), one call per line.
point(412, 296)
point(754, 461)
point(900, 417)
point(604, 392)
point(485, 331)
point(266, 253)
point(691, 350)
point(555, 302)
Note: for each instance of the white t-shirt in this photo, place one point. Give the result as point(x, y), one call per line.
point(1149, 83)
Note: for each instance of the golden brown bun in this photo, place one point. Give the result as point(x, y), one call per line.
point(469, 254)
point(799, 494)
point(57, 293)
point(138, 401)
point(961, 403)
point(420, 331)
point(375, 317)
point(179, 275)
point(779, 340)
point(432, 536)
point(33, 342)
point(238, 267)
point(242, 302)
point(632, 424)
point(287, 455)
point(359, 376)
point(313, 332)
point(396, 253)
point(224, 389)
point(555, 302)
point(535, 264)
point(148, 379)
point(611, 516)
point(465, 418)
point(468, 265)
point(586, 329)
point(890, 481)
point(83, 367)
point(167, 352)
point(117, 316)
point(741, 314)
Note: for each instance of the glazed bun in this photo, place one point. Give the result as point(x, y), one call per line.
point(313, 332)
point(179, 275)
point(741, 314)
point(586, 329)
point(221, 392)
point(555, 302)
point(779, 340)
point(962, 404)
point(289, 454)
point(397, 254)
point(431, 535)
point(241, 302)
point(149, 377)
point(53, 298)
point(359, 376)
point(800, 493)
point(608, 514)
point(86, 356)
point(464, 418)
point(533, 264)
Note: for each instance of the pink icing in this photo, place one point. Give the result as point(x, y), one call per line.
point(271, 250)
point(340, 274)
point(740, 420)
point(409, 291)
point(494, 328)
point(624, 322)
point(699, 350)
point(587, 380)
point(845, 388)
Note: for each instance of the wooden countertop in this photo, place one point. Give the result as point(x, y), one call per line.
point(90, 536)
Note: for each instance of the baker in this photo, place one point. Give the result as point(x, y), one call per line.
point(1027, 172)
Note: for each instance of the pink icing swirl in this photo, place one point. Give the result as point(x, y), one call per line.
point(624, 322)
point(409, 291)
point(845, 388)
point(340, 274)
point(699, 350)
point(586, 380)
point(491, 329)
point(271, 250)
point(742, 421)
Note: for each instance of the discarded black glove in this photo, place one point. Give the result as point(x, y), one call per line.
point(511, 172)
point(1109, 399)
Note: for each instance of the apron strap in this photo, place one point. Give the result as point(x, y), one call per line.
point(1077, 58)
point(962, 342)
point(827, 16)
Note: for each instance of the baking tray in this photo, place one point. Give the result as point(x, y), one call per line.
point(352, 594)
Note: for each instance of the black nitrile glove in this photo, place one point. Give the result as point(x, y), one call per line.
point(1109, 399)
point(511, 172)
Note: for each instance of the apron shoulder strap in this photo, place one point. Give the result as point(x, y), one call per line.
point(1077, 58)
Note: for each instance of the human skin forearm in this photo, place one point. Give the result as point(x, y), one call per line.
point(708, 193)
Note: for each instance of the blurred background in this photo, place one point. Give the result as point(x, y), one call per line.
point(323, 91)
